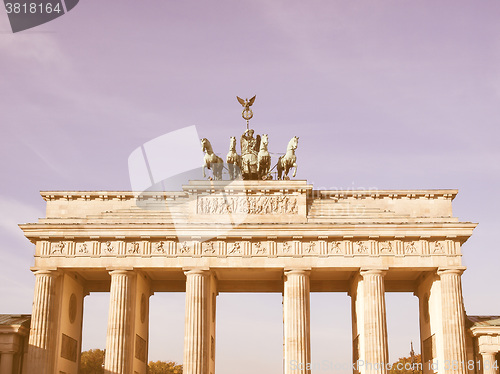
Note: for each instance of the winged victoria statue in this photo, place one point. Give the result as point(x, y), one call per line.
point(254, 163)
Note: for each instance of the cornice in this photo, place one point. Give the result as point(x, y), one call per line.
point(289, 186)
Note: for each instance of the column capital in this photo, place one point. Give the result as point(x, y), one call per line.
point(120, 271)
point(200, 270)
point(298, 271)
point(373, 271)
point(487, 351)
point(51, 272)
point(452, 270)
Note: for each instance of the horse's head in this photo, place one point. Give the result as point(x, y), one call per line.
point(232, 142)
point(264, 139)
point(292, 144)
point(204, 144)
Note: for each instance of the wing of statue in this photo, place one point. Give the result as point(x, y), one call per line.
point(240, 100)
point(250, 102)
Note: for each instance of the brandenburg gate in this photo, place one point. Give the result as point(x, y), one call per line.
point(245, 236)
point(250, 234)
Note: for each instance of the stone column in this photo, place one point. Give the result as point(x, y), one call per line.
point(6, 361)
point(40, 340)
point(453, 318)
point(196, 336)
point(375, 324)
point(119, 348)
point(489, 365)
point(296, 319)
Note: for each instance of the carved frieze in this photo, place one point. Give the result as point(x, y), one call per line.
point(287, 247)
point(208, 248)
point(234, 249)
point(259, 248)
point(184, 248)
point(57, 248)
point(246, 247)
point(310, 247)
point(335, 247)
point(107, 248)
point(159, 247)
point(386, 248)
point(133, 247)
point(438, 248)
point(410, 248)
point(247, 205)
point(83, 248)
point(361, 247)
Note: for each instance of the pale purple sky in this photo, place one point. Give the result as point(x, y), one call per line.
point(387, 94)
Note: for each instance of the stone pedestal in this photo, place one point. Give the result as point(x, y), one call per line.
point(296, 319)
point(119, 348)
point(41, 334)
point(6, 362)
point(199, 337)
point(453, 318)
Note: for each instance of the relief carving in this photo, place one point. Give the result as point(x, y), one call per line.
point(362, 248)
point(184, 248)
point(160, 247)
point(335, 247)
point(410, 248)
point(108, 247)
point(259, 248)
point(386, 247)
point(438, 247)
point(235, 249)
point(58, 248)
point(310, 247)
point(209, 247)
point(133, 247)
point(69, 348)
point(286, 247)
point(82, 248)
point(248, 205)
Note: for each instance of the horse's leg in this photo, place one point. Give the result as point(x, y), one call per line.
point(294, 170)
point(204, 166)
point(238, 169)
point(219, 172)
point(231, 170)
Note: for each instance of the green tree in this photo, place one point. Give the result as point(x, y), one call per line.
point(405, 365)
point(92, 362)
point(162, 367)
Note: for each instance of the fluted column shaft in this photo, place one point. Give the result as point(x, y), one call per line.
point(196, 342)
point(39, 359)
point(375, 323)
point(296, 318)
point(6, 362)
point(119, 347)
point(489, 364)
point(453, 318)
